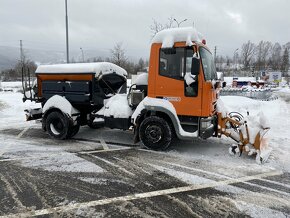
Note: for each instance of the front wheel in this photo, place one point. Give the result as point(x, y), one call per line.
point(57, 125)
point(155, 133)
point(73, 130)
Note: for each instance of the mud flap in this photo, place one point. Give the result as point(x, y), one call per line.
point(136, 134)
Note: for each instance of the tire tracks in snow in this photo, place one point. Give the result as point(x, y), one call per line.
point(148, 195)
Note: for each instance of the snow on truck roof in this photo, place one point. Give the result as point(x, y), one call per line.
point(99, 68)
point(182, 34)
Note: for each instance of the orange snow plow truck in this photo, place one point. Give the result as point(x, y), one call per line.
point(178, 97)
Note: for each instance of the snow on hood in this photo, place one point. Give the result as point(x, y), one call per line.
point(118, 107)
point(183, 34)
point(100, 69)
point(142, 79)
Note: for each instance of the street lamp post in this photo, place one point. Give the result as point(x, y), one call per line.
point(178, 23)
point(235, 61)
point(82, 54)
point(66, 27)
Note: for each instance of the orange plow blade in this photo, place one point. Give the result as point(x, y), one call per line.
point(249, 139)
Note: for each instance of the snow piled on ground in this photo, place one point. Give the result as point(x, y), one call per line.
point(47, 157)
point(215, 150)
point(12, 111)
point(277, 112)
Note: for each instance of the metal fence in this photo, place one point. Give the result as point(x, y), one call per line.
point(259, 94)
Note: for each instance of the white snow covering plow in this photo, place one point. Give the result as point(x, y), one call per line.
point(249, 132)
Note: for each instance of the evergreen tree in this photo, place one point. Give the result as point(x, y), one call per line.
point(285, 62)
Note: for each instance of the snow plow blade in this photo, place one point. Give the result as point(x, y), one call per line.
point(250, 139)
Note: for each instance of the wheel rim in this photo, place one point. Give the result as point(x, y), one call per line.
point(56, 127)
point(153, 133)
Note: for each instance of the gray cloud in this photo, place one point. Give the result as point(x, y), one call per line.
point(98, 25)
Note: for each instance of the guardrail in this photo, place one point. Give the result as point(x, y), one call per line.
point(259, 94)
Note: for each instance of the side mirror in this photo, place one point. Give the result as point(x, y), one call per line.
point(224, 84)
point(195, 65)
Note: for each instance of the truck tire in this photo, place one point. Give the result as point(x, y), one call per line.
point(57, 125)
point(155, 133)
point(73, 130)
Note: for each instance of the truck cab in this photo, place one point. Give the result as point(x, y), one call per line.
point(182, 74)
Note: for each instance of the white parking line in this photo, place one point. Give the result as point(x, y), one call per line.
point(22, 132)
point(228, 177)
point(114, 165)
point(57, 154)
point(101, 151)
point(104, 144)
point(151, 194)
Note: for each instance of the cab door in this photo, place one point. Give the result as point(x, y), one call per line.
point(173, 81)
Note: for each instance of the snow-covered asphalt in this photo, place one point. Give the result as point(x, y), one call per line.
point(100, 173)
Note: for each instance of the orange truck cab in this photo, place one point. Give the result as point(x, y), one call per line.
point(182, 88)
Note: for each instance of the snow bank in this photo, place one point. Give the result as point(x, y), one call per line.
point(221, 108)
point(16, 84)
point(257, 121)
point(118, 107)
point(183, 34)
point(284, 90)
point(10, 86)
point(12, 110)
point(100, 69)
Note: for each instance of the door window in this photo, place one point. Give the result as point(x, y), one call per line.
point(176, 63)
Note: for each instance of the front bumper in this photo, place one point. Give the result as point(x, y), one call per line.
point(207, 127)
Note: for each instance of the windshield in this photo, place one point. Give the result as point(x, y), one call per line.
point(207, 64)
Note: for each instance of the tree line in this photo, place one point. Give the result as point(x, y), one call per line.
point(117, 56)
point(262, 56)
point(251, 58)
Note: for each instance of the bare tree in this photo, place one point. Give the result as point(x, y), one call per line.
point(157, 26)
point(247, 53)
point(285, 62)
point(276, 56)
point(118, 55)
point(263, 50)
point(287, 45)
point(26, 66)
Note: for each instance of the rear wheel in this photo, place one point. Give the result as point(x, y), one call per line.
point(57, 125)
point(155, 133)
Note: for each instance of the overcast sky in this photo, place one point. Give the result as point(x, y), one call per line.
point(96, 24)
